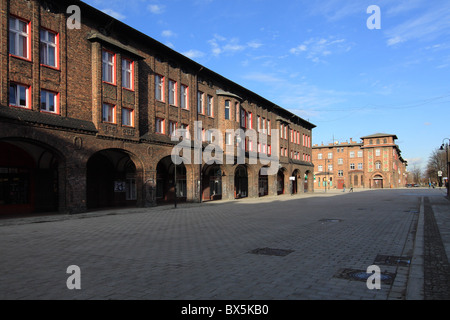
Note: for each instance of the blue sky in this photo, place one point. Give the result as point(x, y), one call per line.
point(319, 60)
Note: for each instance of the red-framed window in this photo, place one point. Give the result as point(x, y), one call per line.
point(159, 87)
point(49, 101)
point(108, 66)
point(172, 128)
point(209, 106)
point(127, 117)
point(109, 113)
point(172, 92)
point(19, 38)
point(127, 74)
point(200, 108)
point(184, 103)
point(160, 125)
point(19, 95)
point(49, 48)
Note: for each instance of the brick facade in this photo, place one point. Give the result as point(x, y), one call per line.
point(79, 132)
point(375, 162)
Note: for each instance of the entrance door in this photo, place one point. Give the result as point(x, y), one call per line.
point(241, 182)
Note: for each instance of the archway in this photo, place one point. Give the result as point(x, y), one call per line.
point(263, 184)
point(111, 179)
point(241, 182)
point(280, 181)
point(165, 181)
point(212, 182)
point(29, 180)
point(294, 181)
point(308, 181)
point(377, 182)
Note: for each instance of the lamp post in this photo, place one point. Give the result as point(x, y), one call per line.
point(448, 166)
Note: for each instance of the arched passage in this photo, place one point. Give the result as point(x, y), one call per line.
point(165, 181)
point(212, 182)
point(29, 177)
point(111, 179)
point(241, 182)
point(294, 181)
point(280, 181)
point(308, 181)
point(377, 181)
point(263, 184)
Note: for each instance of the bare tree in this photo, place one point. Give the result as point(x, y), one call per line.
point(437, 162)
point(416, 174)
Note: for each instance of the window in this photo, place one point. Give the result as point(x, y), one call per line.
point(236, 106)
point(228, 138)
point(352, 154)
point(19, 42)
point(320, 168)
point(172, 92)
point(377, 152)
point(227, 109)
point(109, 114)
point(48, 48)
point(360, 154)
point(108, 66)
point(184, 97)
point(200, 102)
point(340, 173)
point(281, 131)
point(49, 101)
point(292, 135)
point(258, 123)
point(19, 95)
point(360, 166)
point(127, 74)
point(160, 126)
point(268, 128)
point(340, 160)
point(209, 106)
point(378, 165)
point(159, 87)
point(172, 128)
point(319, 156)
point(352, 166)
point(330, 167)
point(249, 119)
point(127, 117)
point(285, 132)
point(185, 131)
point(330, 155)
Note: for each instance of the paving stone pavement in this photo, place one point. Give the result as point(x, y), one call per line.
point(202, 251)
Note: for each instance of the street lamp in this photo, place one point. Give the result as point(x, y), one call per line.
point(448, 166)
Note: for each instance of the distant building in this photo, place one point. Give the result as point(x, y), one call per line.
point(375, 162)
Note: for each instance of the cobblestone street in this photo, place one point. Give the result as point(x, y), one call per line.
point(310, 246)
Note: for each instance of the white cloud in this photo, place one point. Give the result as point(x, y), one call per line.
point(168, 33)
point(114, 14)
point(220, 45)
point(316, 48)
point(193, 54)
point(155, 8)
point(427, 26)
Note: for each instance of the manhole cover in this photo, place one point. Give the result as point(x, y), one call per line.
point(330, 220)
point(392, 260)
point(362, 275)
point(272, 252)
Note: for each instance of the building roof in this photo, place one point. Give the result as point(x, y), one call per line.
point(379, 135)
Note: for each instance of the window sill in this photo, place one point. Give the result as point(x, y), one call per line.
point(20, 58)
point(50, 67)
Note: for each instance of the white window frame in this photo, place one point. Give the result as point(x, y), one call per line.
point(108, 67)
point(172, 92)
point(184, 104)
point(160, 125)
point(209, 105)
point(200, 107)
point(18, 90)
point(48, 96)
point(18, 37)
point(109, 113)
point(47, 46)
point(127, 117)
point(159, 87)
point(127, 73)
point(227, 110)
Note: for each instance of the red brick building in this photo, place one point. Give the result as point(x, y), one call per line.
point(375, 162)
point(88, 107)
